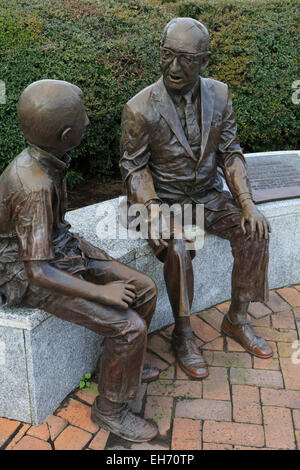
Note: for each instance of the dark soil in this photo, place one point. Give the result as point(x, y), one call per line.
point(93, 191)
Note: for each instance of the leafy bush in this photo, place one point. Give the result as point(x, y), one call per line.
point(110, 49)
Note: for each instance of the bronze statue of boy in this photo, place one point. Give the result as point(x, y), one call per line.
point(176, 134)
point(44, 265)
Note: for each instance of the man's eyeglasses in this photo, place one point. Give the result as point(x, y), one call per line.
point(167, 55)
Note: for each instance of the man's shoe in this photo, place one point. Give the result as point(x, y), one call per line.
point(149, 374)
point(124, 423)
point(244, 334)
point(188, 356)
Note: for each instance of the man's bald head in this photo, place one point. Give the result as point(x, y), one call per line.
point(186, 34)
point(46, 108)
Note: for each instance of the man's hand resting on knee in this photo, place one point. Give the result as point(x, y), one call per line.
point(256, 220)
point(162, 229)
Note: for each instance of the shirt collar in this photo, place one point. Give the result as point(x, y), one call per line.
point(48, 159)
point(177, 98)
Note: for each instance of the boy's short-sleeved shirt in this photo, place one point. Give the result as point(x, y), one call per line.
point(33, 202)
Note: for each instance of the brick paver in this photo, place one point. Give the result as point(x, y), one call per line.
point(276, 303)
point(40, 432)
point(228, 359)
point(258, 310)
point(290, 373)
point(223, 307)
point(284, 398)
point(297, 312)
point(284, 320)
point(176, 388)
point(233, 433)
point(186, 434)
point(266, 364)
point(215, 345)
point(296, 417)
point(161, 347)
point(214, 317)
point(56, 425)
point(278, 428)
point(297, 433)
point(291, 295)
point(260, 378)
point(216, 386)
point(78, 414)
point(72, 439)
point(233, 346)
point(204, 331)
point(100, 440)
point(204, 409)
point(32, 443)
point(88, 394)
point(214, 446)
point(160, 410)
point(277, 335)
point(245, 403)
point(7, 428)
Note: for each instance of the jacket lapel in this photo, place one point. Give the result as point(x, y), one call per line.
point(167, 110)
point(207, 108)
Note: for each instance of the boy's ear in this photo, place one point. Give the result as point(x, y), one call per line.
point(65, 134)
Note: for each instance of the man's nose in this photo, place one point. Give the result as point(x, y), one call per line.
point(175, 65)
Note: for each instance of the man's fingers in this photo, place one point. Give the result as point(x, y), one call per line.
point(269, 226)
point(252, 229)
point(243, 225)
point(260, 230)
point(266, 227)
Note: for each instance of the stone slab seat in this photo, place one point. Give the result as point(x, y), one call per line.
point(42, 357)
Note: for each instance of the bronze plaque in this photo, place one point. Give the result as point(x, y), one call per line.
point(274, 177)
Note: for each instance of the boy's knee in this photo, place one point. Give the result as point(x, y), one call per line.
point(149, 285)
point(136, 327)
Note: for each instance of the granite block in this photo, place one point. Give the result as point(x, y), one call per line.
point(14, 392)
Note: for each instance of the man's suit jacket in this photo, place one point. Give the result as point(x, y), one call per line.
point(157, 161)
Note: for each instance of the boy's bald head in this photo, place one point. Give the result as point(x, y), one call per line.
point(46, 108)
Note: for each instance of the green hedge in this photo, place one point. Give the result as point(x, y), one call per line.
point(110, 49)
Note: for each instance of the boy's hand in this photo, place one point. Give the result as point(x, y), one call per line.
point(116, 293)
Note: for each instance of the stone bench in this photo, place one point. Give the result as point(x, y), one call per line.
point(42, 357)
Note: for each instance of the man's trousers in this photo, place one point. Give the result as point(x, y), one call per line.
point(250, 268)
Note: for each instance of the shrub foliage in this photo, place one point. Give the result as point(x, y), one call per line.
point(110, 48)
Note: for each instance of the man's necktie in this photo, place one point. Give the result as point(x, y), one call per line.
point(192, 126)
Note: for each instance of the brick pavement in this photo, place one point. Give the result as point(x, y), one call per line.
point(245, 403)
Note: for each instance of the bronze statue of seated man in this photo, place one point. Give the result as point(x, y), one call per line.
point(44, 265)
point(178, 134)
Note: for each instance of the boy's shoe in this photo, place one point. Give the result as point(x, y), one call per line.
point(124, 423)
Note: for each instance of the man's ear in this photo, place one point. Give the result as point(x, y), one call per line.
point(204, 63)
point(65, 134)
